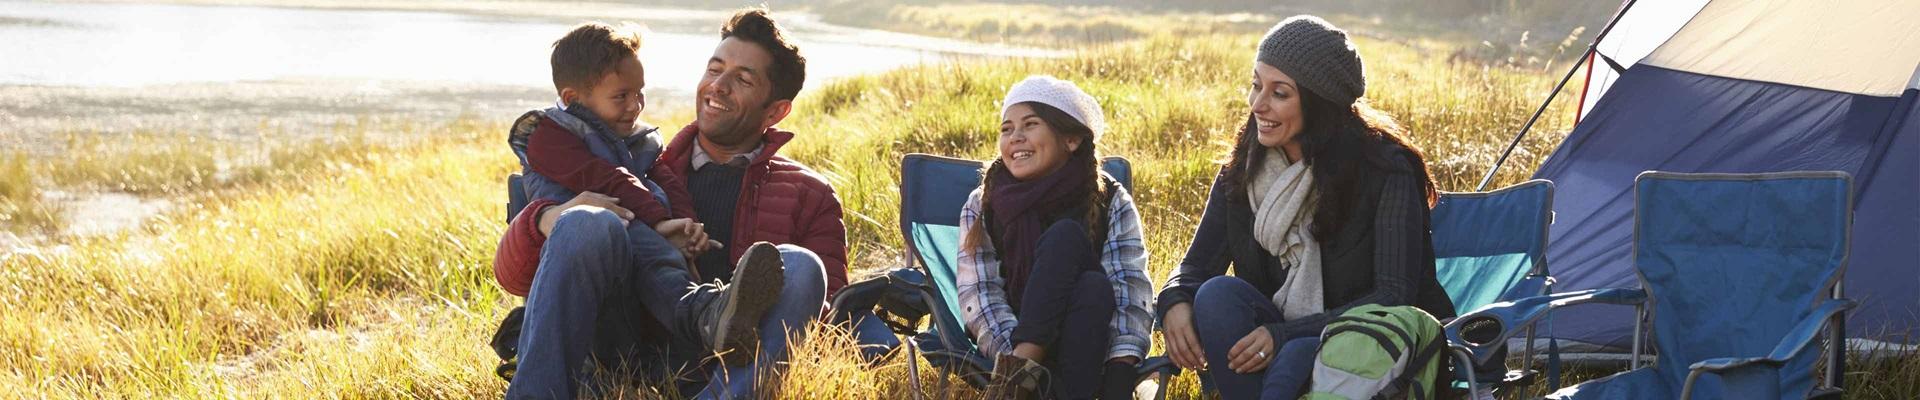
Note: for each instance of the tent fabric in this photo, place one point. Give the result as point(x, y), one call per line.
point(1639, 31)
point(1861, 47)
point(1659, 118)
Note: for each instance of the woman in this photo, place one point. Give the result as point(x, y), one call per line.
point(1322, 206)
point(1052, 269)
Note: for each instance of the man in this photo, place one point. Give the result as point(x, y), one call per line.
point(588, 292)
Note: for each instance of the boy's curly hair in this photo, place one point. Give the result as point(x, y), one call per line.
point(589, 52)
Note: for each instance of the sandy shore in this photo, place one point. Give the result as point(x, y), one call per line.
point(242, 110)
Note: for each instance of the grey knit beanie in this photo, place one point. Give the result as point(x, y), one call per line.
point(1317, 56)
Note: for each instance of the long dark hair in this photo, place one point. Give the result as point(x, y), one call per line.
point(1334, 141)
point(1065, 126)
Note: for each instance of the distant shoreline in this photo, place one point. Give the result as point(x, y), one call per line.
point(805, 25)
point(297, 107)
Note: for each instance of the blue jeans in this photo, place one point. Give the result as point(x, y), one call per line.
point(1225, 310)
point(609, 291)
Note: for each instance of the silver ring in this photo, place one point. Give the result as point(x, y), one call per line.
point(1262, 354)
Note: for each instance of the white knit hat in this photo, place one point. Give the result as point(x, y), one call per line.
point(1061, 94)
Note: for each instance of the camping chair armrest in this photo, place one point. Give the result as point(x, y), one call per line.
point(1716, 365)
point(1514, 316)
point(1160, 364)
point(1808, 328)
point(1761, 373)
point(1795, 340)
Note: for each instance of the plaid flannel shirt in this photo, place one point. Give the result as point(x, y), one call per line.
point(983, 297)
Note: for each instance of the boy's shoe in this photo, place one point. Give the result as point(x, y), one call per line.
point(1015, 377)
point(730, 323)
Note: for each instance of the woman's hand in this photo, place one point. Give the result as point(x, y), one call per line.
point(1182, 343)
point(588, 199)
point(1252, 353)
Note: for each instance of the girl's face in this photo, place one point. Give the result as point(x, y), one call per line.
point(1275, 101)
point(1029, 147)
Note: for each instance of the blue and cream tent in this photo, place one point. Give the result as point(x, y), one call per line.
point(1746, 86)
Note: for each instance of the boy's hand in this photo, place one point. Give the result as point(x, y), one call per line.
point(679, 231)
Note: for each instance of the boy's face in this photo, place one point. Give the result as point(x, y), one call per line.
point(616, 98)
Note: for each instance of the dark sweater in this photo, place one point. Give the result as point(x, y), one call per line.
point(715, 189)
point(1383, 254)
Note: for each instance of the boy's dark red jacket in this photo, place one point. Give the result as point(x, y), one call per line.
point(781, 201)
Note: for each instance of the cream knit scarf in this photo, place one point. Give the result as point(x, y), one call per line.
point(1283, 205)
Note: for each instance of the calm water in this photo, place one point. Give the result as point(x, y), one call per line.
point(131, 45)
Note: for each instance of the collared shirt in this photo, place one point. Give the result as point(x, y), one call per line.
point(701, 159)
point(1123, 256)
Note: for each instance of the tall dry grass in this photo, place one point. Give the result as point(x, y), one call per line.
point(368, 275)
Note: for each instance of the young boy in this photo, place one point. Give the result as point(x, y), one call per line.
point(598, 77)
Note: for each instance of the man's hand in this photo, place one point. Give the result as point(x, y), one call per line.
point(1182, 343)
point(589, 200)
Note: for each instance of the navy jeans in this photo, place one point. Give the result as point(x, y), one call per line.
point(1067, 308)
point(1225, 310)
point(607, 291)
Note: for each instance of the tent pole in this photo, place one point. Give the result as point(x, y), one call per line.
point(1592, 49)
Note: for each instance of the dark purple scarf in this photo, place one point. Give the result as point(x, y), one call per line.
point(1023, 210)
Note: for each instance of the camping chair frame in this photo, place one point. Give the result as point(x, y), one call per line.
point(1829, 315)
point(957, 353)
point(1537, 281)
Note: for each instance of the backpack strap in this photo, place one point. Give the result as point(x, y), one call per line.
point(1405, 383)
point(1420, 360)
point(1402, 333)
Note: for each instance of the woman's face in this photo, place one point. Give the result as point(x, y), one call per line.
point(1275, 101)
point(1029, 147)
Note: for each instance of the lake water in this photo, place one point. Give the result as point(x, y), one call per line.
point(133, 45)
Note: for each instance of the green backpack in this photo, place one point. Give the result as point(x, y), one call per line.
point(1378, 352)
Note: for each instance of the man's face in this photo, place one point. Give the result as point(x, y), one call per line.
point(732, 97)
point(616, 98)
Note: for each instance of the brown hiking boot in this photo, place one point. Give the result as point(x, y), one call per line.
point(1016, 378)
point(731, 322)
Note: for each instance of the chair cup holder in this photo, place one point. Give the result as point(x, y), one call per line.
point(1481, 331)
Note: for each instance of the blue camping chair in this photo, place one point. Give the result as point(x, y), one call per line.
point(1491, 247)
point(1740, 273)
point(516, 196)
point(932, 191)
